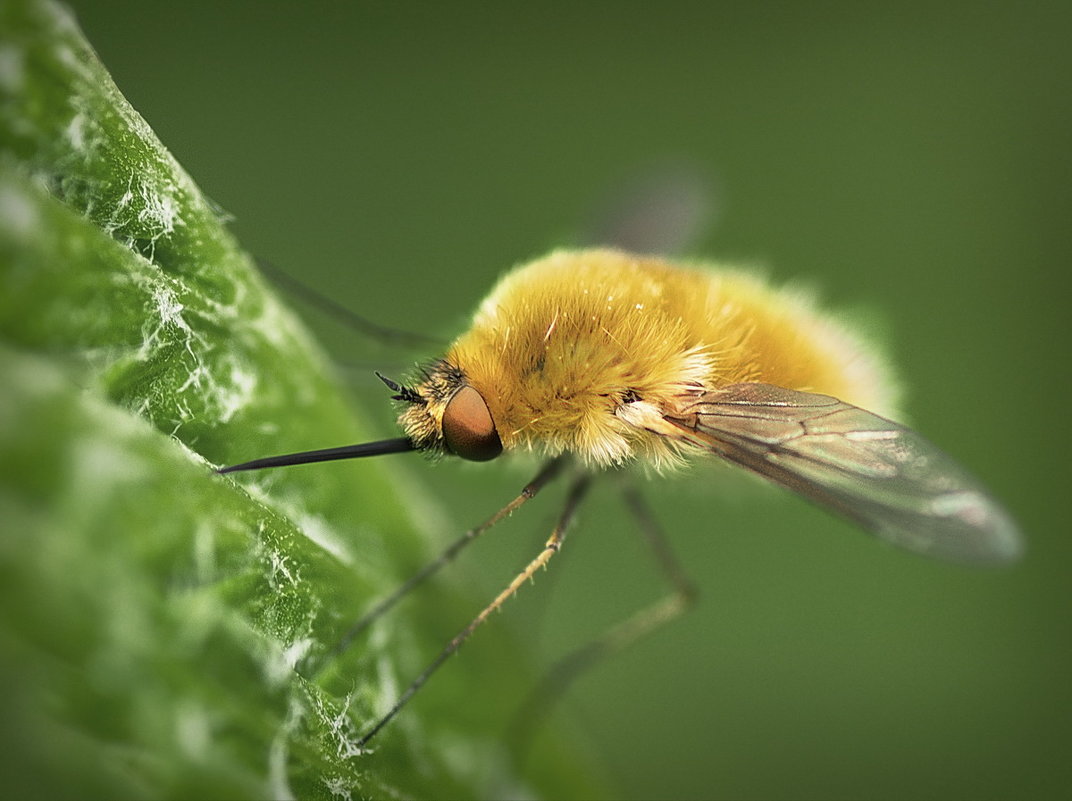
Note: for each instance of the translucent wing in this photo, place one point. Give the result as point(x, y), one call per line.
point(664, 211)
point(886, 477)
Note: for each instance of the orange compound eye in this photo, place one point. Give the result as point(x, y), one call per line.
point(468, 429)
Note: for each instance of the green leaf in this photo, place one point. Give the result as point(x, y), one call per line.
point(164, 631)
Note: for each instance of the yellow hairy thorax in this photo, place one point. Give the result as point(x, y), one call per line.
point(563, 342)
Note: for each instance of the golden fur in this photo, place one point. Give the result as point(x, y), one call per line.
point(563, 343)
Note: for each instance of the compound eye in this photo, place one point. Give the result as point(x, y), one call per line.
point(468, 429)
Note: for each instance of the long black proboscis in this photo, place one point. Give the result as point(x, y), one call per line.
point(399, 445)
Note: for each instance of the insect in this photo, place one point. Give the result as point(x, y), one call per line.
point(603, 359)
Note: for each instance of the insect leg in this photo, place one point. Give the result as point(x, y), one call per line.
point(684, 589)
point(638, 625)
point(547, 473)
point(577, 492)
point(375, 331)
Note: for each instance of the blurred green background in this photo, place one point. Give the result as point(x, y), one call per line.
point(910, 160)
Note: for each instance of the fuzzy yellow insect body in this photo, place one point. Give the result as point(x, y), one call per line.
point(566, 345)
point(604, 358)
